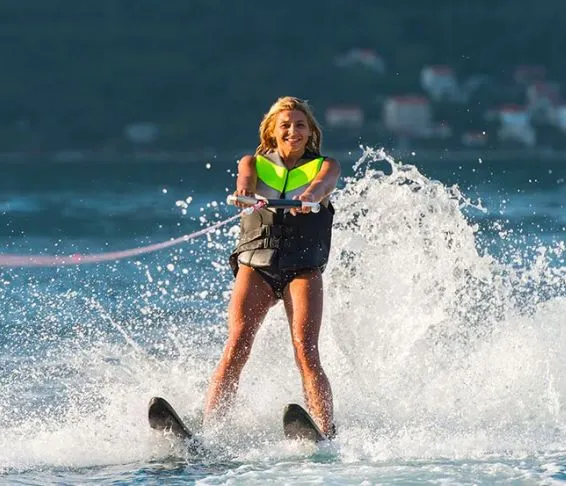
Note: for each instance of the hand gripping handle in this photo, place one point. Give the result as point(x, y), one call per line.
point(274, 203)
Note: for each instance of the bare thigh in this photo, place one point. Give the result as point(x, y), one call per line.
point(251, 299)
point(303, 304)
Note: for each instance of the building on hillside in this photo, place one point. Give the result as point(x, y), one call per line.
point(408, 115)
point(542, 99)
point(515, 126)
point(344, 117)
point(440, 83)
point(361, 57)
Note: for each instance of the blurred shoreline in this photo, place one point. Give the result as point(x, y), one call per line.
point(224, 156)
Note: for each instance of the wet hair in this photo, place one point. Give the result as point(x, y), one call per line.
point(267, 141)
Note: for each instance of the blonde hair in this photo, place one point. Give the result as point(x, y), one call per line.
point(266, 127)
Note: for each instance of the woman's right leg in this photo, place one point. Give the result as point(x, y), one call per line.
point(303, 300)
point(251, 299)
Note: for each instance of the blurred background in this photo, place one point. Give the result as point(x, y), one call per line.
point(114, 77)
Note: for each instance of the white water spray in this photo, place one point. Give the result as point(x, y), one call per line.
point(433, 348)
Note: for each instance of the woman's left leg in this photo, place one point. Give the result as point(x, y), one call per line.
point(303, 299)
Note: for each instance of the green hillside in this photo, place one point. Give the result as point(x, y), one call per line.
point(75, 72)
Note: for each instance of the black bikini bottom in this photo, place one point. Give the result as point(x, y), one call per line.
point(279, 279)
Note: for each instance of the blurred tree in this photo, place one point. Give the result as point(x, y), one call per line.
point(208, 69)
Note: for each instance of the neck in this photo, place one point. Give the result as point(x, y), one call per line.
point(290, 159)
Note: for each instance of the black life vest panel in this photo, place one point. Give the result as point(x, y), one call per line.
point(278, 240)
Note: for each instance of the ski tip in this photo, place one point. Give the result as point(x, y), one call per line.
point(162, 416)
point(157, 411)
point(157, 402)
point(298, 424)
point(293, 408)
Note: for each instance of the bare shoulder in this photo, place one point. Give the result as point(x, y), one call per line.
point(247, 160)
point(331, 160)
point(246, 163)
point(332, 164)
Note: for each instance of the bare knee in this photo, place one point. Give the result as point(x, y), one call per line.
point(237, 351)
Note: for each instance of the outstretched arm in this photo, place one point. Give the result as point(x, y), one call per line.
point(322, 185)
point(247, 178)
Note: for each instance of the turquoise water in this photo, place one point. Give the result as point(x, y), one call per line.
point(443, 330)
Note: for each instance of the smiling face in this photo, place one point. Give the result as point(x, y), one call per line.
point(289, 127)
point(291, 131)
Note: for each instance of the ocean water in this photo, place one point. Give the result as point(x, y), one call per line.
point(444, 327)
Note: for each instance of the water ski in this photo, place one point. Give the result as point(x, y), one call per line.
point(162, 416)
point(298, 424)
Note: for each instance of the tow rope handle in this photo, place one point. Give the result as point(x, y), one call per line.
point(255, 203)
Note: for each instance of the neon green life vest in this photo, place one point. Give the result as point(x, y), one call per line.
point(275, 181)
point(275, 239)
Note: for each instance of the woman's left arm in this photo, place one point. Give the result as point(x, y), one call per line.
point(322, 185)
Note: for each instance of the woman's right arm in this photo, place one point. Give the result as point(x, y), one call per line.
point(247, 178)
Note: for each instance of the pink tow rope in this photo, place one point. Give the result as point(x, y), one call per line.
point(79, 259)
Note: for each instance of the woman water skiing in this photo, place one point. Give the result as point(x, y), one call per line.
point(281, 254)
